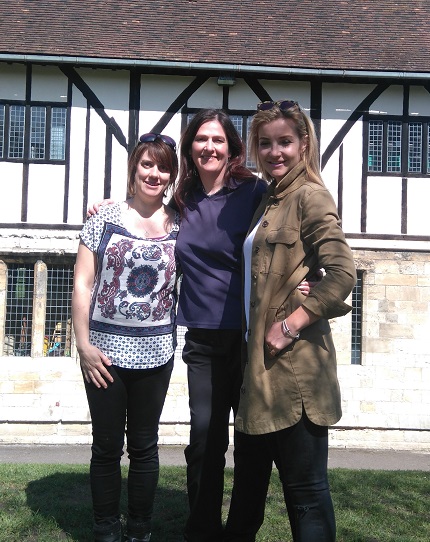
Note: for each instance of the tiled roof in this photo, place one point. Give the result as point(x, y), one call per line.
point(371, 35)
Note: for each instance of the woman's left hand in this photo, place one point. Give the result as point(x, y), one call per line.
point(308, 283)
point(305, 287)
point(276, 340)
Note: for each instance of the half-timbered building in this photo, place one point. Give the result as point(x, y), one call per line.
point(79, 81)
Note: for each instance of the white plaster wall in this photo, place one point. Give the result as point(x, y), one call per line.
point(208, 95)
point(419, 101)
point(112, 88)
point(12, 87)
point(11, 192)
point(384, 205)
point(12, 81)
point(418, 206)
point(77, 156)
point(45, 193)
point(390, 102)
point(157, 93)
point(241, 97)
point(96, 160)
point(298, 91)
point(48, 84)
point(352, 168)
point(339, 101)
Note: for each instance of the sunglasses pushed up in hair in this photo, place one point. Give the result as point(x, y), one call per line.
point(283, 105)
point(151, 137)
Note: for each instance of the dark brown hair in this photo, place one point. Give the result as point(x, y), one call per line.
point(188, 175)
point(160, 153)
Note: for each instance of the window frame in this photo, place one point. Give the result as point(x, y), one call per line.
point(405, 155)
point(23, 276)
point(357, 320)
point(27, 136)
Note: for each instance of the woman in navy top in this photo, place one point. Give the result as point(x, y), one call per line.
point(217, 198)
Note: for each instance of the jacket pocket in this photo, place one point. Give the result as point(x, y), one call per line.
point(285, 235)
point(282, 244)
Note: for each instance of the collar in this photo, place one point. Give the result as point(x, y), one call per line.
point(228, 186)
point(285, 185)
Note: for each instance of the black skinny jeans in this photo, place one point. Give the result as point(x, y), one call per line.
point(300, 453)
point(136, 397)
point(214, 379)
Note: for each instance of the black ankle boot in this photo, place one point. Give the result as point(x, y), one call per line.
point(138, 531)
point(108, 533)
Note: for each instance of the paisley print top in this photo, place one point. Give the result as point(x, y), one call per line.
point(132, 312)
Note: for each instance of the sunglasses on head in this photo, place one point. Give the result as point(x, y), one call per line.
point(151, 137)
point(283, 105)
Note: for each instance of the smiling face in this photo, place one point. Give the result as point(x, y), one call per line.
point(151, 179)
point(279, 147)
point(210, 152)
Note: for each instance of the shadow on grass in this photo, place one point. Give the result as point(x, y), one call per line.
point(66, 497)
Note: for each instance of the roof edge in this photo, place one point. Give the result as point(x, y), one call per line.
point(233, 68)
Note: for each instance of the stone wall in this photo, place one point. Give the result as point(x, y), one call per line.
point(386, 399)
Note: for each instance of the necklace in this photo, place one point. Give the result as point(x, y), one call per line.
point(151, 224)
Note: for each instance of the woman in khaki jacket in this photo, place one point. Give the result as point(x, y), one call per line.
point(290, 393)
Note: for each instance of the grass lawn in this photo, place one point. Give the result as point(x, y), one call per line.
point(48, 503)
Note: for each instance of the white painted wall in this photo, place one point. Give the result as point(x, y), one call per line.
point(12, 81)
point(11, 192)
point(389, 389)
point(48, 84)
point(45, 193)
point(384, 205)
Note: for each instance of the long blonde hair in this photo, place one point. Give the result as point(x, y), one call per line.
point(304, 128)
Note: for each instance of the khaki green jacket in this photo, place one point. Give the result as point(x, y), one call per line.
point(299, 233)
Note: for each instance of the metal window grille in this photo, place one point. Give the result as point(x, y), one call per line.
point(19, 308)
point(16, 131)
point(374, 157)
point(180, 336)
point(415, 147)
point(249, 163)
point(2, 108)
point(357, 318)
point(242, 126)
point(428, 149)
point(394, 146)
point(238, 123)
point(58, 322)
point(58, 133)
point(37, 132)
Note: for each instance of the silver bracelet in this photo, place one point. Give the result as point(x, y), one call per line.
point(286, 331)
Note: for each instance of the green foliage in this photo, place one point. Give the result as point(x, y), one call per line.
point(49, 503)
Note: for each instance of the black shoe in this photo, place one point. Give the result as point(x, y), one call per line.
point(108, 533)
point(138, 531)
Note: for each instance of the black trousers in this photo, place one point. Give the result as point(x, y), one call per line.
point(136, 397)
point(214, 379)
point(300, 453)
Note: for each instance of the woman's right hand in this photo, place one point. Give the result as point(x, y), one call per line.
point(96, 206)
point(93, 364)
